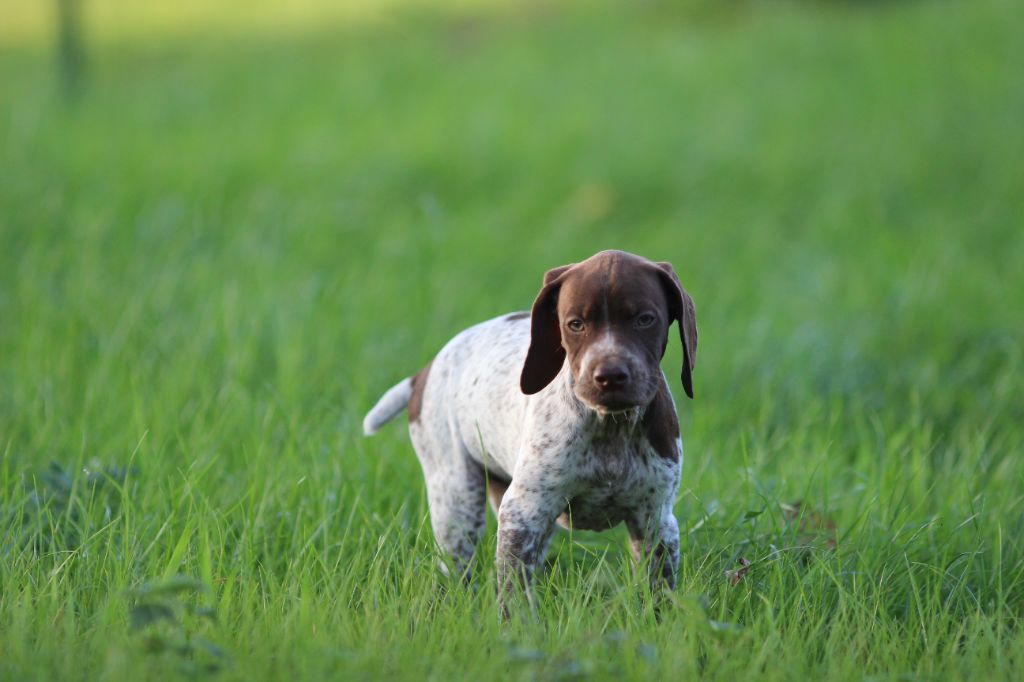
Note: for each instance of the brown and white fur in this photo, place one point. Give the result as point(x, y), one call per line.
point(561, 415)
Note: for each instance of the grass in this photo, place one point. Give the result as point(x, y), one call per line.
point(215, 260)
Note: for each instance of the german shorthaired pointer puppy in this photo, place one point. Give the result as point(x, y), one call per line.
point(562, 415)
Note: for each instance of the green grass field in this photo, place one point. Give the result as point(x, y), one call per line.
point(253, 221)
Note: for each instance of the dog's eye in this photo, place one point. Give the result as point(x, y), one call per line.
point(645, 320)
point(575, 324)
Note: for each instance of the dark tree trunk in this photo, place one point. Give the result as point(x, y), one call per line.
point(71, 56)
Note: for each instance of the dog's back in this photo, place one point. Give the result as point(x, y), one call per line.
point(472, 388)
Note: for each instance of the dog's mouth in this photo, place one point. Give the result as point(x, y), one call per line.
point(611, 402)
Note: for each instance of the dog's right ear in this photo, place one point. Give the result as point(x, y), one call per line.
point(546, 356)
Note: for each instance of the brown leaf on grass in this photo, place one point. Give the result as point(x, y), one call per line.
point(735, 575)
point(812, 528)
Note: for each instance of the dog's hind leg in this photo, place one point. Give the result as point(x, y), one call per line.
point(456, 494)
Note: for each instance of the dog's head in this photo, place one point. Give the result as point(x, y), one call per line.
point(610, 315)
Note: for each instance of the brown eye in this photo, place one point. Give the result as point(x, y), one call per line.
point(575, 324)
point(645, 320)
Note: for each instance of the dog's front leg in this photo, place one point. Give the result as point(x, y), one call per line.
point(655, 542)
point(526, 520)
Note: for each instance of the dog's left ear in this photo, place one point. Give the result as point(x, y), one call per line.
point(682, 310)
point(546, 356)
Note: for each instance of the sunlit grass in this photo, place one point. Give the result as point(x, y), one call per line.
point(33, 23)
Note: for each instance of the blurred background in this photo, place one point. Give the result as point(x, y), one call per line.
point(221, 214)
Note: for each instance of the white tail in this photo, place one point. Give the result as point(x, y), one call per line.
point(388, 407)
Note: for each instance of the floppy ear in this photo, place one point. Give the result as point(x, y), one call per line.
point(545, 358)
point(683, 311)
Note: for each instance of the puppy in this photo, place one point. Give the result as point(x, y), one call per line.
point(560, 415)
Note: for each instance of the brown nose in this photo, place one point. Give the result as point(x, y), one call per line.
point(611, 375)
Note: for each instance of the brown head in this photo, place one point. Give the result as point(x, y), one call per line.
point(610, 315)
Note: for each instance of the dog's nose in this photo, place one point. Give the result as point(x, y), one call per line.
point(611, 375)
